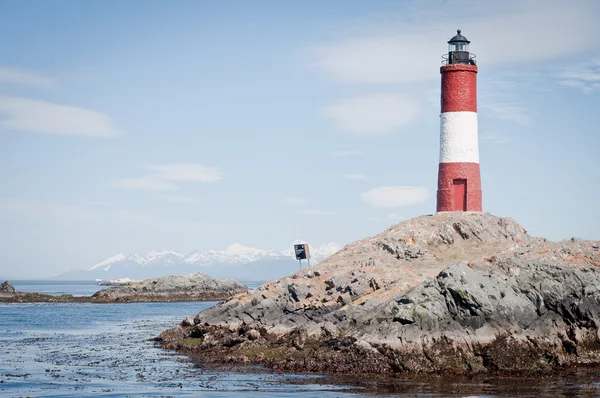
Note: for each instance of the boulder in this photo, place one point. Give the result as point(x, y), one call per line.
point(7, 288)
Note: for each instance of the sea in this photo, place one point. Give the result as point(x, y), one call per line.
point(105, 350)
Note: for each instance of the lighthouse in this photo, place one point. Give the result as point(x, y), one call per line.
point(459, 180)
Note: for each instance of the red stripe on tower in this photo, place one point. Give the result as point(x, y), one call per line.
point(459, 180)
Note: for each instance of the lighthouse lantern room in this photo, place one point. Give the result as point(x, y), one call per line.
point(459, 181)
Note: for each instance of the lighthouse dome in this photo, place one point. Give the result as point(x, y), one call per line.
point(458, 51)
point(459, 38)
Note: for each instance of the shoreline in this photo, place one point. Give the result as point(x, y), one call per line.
point(33, 297)
point(173, 288)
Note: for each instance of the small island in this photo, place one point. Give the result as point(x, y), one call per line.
point(459, 292)
point(188, 287)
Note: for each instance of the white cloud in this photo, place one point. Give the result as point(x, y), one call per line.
point(186, 172)
point(509, 33)
point(24, 114)
point(317, 212)
point(147, 183)
point(165, 176)
point(375, 114)
point(395, 196)
point(24, 77)
point(348, 153)
point(294, 201)
point(356, 177)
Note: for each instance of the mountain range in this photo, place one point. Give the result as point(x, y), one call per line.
point(237, 261)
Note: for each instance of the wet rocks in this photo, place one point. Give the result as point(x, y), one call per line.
point(450, 292)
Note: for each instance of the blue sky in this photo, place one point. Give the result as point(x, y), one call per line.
point(141, 125)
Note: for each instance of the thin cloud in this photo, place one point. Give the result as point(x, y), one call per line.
point(147, 183)
point(585, 77)
point(512, 112)
point(356, 177)
point(166, 175)
point(395, 196)
point(24, 77)
point(178, 198)
point(186, 172)
point(294, 201)
point(395, 216)
point(29, 115)
point(344, 154)
point(407, 51)
point(318, 212)
point(375, 114)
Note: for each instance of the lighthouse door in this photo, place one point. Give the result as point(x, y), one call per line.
point(460, 195)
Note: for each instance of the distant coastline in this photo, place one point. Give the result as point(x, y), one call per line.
point(173, 288)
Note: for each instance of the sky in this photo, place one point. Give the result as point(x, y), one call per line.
point(148, 125)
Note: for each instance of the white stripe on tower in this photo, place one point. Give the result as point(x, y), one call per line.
point(458, 137)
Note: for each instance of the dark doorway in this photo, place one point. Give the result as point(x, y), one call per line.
point(460, 195)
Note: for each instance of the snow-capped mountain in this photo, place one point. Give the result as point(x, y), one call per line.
point(237, 261)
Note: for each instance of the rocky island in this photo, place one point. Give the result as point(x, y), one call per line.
point(460, 292)
point(188, 287)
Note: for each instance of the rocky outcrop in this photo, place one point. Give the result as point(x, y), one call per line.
point(450, 292)
point(188, 287)
point(7, 288)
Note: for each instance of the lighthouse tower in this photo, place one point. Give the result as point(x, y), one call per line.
point(459, 181)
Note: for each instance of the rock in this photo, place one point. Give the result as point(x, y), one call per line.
point(298, 291)
point(451, 292)
point(193, 286)
point(7, 288)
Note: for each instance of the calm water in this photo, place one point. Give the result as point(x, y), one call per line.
point(64, 350)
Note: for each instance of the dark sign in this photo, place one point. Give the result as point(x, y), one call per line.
point(301, 251)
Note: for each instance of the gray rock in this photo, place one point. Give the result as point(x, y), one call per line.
point(461, 291)
point(7, 288)
point(188, 284)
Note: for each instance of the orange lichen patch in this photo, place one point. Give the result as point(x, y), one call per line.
point(587, 259)
point(408, 270)
point(543, 251)
point(518, 240)
point(410, 240)
point(470, 265)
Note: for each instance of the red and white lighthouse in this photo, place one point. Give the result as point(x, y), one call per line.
point(459, 180)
